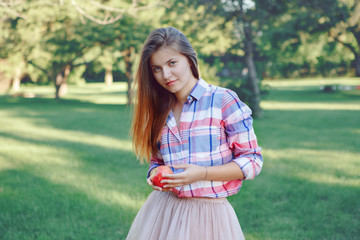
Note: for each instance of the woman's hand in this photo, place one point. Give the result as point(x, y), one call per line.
point(149, 181)
point(192, 173)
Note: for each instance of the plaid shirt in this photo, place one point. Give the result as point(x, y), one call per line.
point(215, 129)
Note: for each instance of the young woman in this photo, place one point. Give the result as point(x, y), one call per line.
point(202, 131)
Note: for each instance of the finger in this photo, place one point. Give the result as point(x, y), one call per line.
point(180, 166)
point(152, 185)
point(170, 186)
point(157, 188)
point(170, 176)
point(173, 183)
point(166, 189)
point(148, 180)
point(174, 176)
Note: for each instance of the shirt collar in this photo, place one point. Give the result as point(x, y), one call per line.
point(198, 90)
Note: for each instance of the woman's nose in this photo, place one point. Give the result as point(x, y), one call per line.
point(166, 72)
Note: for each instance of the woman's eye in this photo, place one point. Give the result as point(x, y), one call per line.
point(156, 69)
point(172, 63)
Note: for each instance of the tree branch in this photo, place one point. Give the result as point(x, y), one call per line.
point(7, 7)
point(348, 45)
point(86, 62)
point(356, 32)
point(108, 19)
point(107, 8)
point(105, 21)
point(80, 8)
point(36, 66)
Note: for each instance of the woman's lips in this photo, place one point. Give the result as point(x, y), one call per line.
point(170, 83)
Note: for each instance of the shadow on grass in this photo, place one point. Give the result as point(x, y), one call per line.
point(34, 208)
point(276, 206)
point(92, 182)
point(64, 187)
point(312, 129)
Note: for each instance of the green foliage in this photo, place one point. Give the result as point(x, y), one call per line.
point(50, 36)
point(76, 76)
point(215, 37)
point(241, 87)
point(319, 34)
point(291, 39)
point(209, 73)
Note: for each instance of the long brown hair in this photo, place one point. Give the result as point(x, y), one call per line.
point(153, 102)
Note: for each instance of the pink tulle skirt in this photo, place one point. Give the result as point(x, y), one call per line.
point(164, 216)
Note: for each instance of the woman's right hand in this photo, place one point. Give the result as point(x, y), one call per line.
point(149, 181)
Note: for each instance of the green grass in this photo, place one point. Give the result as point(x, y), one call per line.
point(310, 184)
point(67, 170)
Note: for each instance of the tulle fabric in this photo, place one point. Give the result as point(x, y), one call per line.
point(164, 216)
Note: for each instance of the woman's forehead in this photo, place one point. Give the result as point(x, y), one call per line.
point(163, 55)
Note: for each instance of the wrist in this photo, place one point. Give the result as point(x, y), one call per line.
point(206, 173)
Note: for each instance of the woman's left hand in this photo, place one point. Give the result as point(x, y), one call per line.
point(192, 173)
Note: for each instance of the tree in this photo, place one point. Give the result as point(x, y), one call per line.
point(250, 20)
point(347, 30)
point(307, 31)
point(58, 37)
point(11, 51)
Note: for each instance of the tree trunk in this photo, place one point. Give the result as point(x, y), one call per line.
point(16, 80)
point(108, 75)
point(5, 83)
point(357, 65)
point(61, 81)
point(128, 66)
point(253, 80)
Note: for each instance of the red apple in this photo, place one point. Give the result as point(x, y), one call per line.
point(158, 175)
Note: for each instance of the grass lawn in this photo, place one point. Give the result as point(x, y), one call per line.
point(67, 170)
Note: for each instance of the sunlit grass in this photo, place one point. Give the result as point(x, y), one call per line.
point(95, 92)
point(294, 106)
point(45, 133)
point(59, 166)
point(65, 169)
point(326, 169)
point(311, 82)
point(100, 93)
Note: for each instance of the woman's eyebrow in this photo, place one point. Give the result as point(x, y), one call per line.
point(170, 60)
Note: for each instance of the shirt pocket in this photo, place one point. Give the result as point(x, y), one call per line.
point(204, 139)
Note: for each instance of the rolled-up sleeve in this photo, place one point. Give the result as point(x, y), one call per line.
point(242, 140)
point(155, 161)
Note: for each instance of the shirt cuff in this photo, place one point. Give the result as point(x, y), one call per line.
point(249, 167)
point(151, 168)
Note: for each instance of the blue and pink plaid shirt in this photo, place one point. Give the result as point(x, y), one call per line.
point(215, 128)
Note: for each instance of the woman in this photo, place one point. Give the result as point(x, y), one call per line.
point(202, 131)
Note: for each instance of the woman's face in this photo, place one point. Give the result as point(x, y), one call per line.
point(172, 71)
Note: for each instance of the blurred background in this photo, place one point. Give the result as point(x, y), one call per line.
point(66, 77)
